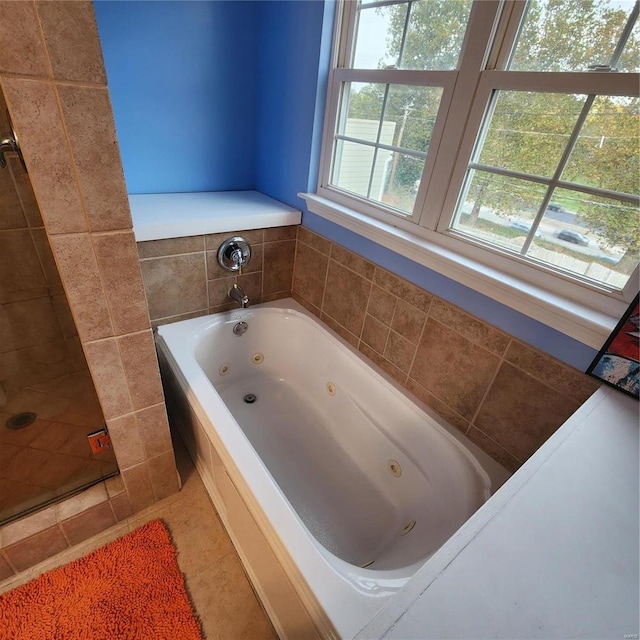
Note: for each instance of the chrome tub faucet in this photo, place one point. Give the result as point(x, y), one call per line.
point(237, 294)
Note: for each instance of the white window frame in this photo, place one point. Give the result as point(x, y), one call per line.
point(584, 311)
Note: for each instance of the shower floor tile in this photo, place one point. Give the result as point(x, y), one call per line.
point(51, 456)
point(220, 591)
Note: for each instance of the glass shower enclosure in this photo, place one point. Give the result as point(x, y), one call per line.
point(48, 404)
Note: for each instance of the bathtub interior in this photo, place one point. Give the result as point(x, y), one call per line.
point(376, 481)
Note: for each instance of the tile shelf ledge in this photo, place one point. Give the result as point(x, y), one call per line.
point(157, 216)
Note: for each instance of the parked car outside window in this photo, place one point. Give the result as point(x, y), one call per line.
point(525, 226)
point(572, 236)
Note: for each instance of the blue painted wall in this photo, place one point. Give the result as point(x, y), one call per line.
point(183, 83)
point(230, 95)
point(292, 73)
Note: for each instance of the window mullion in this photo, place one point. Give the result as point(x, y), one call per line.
point(456, 113)
point(387, 147)
point(600, 193)
point(328, 138)
point(508, 173)
point(395, 76)
point(582, 82)
point(347, 15)
point(375, 152)
point(506, 34)
point(404, 34)
point(381, 3)
point(553, 183)
point(626, 32)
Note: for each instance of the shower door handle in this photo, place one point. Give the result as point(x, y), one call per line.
point(7, 145)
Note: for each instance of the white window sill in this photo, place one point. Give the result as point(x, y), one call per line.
point(574, 319)
point(174, 215)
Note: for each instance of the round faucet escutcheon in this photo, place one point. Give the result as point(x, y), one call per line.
point(234, 253)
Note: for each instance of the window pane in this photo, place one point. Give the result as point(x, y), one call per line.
point(431, 40)
point(594, 237)
point(607, 151)
point(375, 47)
point(498, 209)
point(408, 122)
point(435, 33)
point(363, 110)
point(569, 36)
point(528, 132)
point(399, 182)
point(414, 111)
point(352, 167)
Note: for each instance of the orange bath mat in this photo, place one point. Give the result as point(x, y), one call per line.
point(129, 589)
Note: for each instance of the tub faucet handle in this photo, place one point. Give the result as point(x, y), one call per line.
point(234, 253)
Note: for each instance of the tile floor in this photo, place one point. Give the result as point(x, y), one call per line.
point(220, 591)
point(51, 456)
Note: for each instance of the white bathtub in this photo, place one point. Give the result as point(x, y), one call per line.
point(334, 484)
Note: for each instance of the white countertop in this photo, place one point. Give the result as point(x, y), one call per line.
point(174, 215)
point(554, 554)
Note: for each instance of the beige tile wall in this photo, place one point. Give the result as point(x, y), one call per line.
point(52, 76)
point(505, 396)
point(38, 340)
point(182, 277)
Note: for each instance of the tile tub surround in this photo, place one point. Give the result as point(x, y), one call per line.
point(507, 397)
point(52, 76)
point(183, 280)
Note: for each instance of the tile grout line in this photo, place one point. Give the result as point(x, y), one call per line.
point(488, 389)
point(366, 309)
point(295, 257)
point(511, 455)
point(439, 399)
point(171, 255)
point(326, 278)
point(339, 264)
point(366, 312)
point(117, 336)
point(424, 328)
point(262, 270)
point(72, 159)
point(5, 557)
point(206, 270)
point(446, 404)
point(393, 314)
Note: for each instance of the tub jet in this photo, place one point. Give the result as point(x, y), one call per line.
point(407, 527)
point(250, 398)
